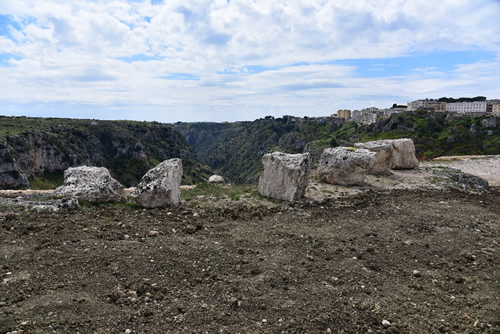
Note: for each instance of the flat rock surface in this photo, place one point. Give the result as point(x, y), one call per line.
point(486, 167)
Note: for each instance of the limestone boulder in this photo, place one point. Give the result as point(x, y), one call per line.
point(383, 150)
point(391, 154)
point(92, 184)
point(345, 165)
point(403, 155)
point(160, 186)
point(284, 176)
point(215, 179)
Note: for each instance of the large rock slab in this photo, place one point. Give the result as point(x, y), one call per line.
point(345, 165)
point(284, 176)
point(92, 184)
point(160, 186)
point(402, 154)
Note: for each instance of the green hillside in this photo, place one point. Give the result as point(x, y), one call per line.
point(45, 147)
point(235, 149)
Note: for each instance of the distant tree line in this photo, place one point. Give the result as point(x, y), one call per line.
point(462, 99)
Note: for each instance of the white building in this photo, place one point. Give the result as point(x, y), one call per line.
point(355, 114)
point(467, 107)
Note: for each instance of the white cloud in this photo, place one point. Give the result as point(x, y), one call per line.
point(118, 53)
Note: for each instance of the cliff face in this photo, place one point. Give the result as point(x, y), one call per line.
point(127, 149)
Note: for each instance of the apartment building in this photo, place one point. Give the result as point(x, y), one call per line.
point(434, 105)
point(344, 113)
point(467, 107)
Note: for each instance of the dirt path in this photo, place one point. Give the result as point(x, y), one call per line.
point(401, 262)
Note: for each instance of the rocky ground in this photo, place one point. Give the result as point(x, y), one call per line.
point(378, 260)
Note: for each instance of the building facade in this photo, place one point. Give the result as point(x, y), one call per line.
point(344, 113)
point(495, 109)
point(434, 105)
point(467, 107)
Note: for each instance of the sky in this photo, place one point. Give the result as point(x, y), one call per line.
point(233, 60)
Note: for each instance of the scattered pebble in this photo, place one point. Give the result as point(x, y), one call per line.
point(417, 273)
point(128, 331)
point(190, 229)
point(386, 323)
point(153, 233)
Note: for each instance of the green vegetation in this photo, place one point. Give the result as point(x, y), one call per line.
point(437, 134)
point(127, 148)
point(234, 150)
point(47, 181)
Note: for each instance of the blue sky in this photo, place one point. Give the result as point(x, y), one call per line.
point(235, 60)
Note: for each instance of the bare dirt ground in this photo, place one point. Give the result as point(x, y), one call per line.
point(385, 260)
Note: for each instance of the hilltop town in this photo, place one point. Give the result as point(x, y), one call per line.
point(476, 106)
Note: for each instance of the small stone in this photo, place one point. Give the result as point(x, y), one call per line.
point(128, 331)
point(386, 323)
point(215, 179)
point(417, 273)
point(153, 233)
point(190, 229)
point(147, 312)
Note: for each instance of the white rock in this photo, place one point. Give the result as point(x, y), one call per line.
point(92, 184)
point(402, 155)
point(345, 165)
point(383, 149)
point(386, 323)
point(215, 179)
point(284, 176)
point(160, 186)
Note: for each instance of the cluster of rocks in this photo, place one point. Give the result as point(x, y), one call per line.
point(159, 187)
point(284, 176)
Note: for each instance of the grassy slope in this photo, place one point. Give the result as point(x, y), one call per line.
point(235, 149)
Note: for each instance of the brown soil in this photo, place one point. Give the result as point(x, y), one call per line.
point(426, 261)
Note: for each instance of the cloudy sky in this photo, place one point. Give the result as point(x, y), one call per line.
point(228, 60)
